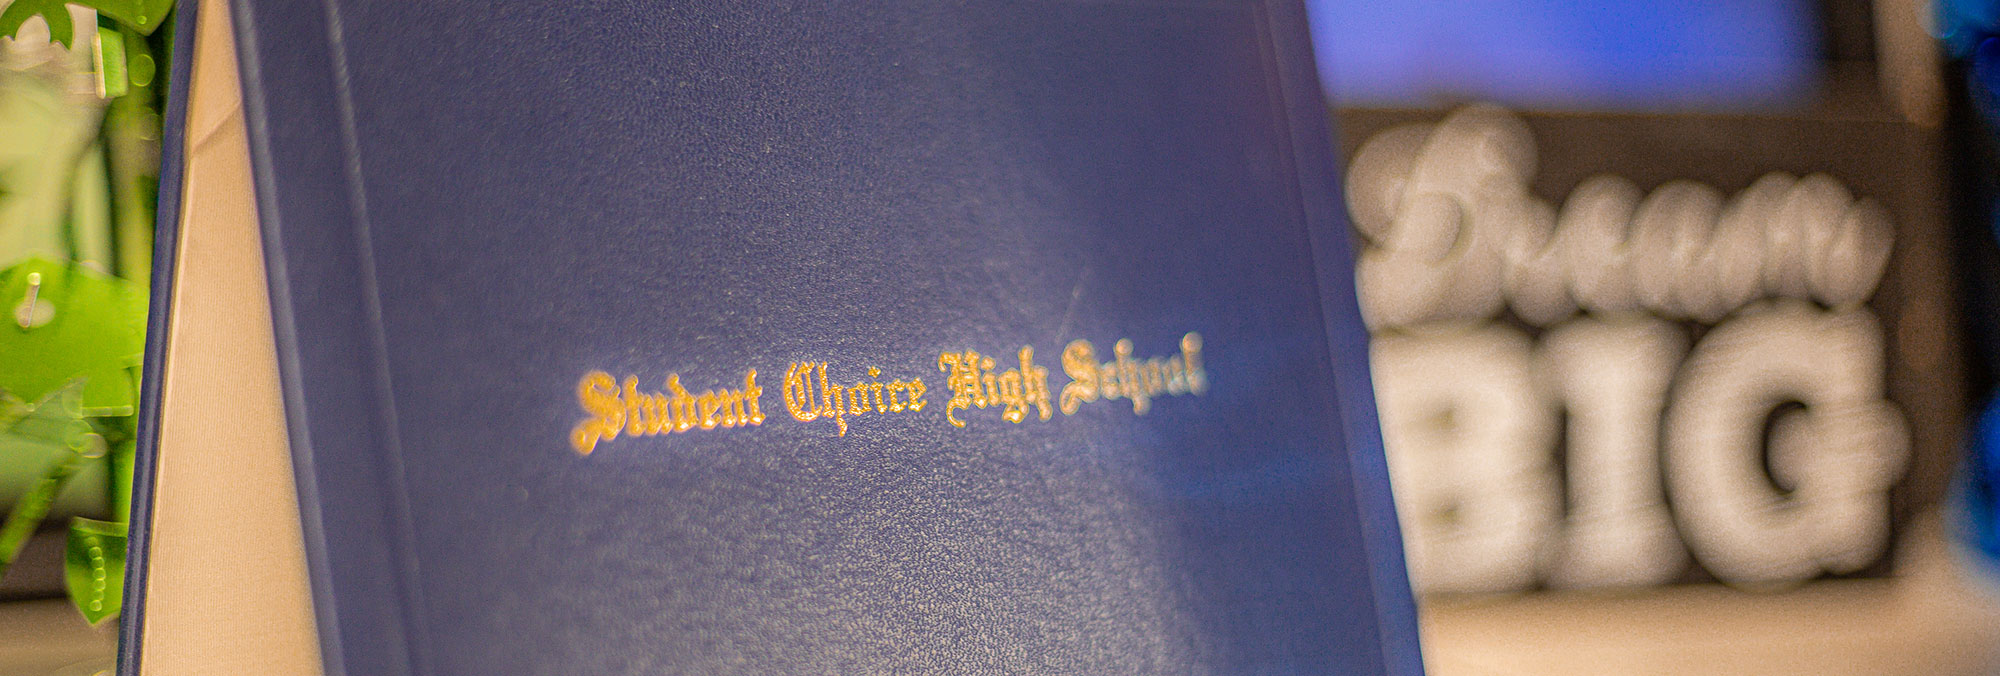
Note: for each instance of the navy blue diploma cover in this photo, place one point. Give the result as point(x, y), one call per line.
point(800, 337)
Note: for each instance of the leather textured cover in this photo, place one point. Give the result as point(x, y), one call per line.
point(468, 206)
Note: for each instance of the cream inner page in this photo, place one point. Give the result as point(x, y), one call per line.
point(226, 591)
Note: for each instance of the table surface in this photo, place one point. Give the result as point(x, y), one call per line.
point(1933, 618)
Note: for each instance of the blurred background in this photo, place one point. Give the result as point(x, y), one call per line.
point(1686, 317)
point(1683, 321)
point(80, 129)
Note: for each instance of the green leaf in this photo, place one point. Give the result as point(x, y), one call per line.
point(119, 487)
point(95, 567)
point(37, 436)
point(56, 421)
point(27, 514)
point(108, 55)
point(51, 11)
point(140, 66)
point(144, 15)
point(85, 324)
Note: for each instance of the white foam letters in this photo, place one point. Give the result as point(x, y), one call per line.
point(1451, 234)
point(1838, 455)
point(1469, 451)
point(1612, 376)
point(1781, 271)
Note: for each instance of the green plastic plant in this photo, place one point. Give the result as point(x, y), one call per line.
point(75, 254)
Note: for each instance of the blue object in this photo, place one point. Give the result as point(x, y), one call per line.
point(469, 205)
point(1962, 24)
point(1620, 54)
point(1967, 28)
point(1983, 83)
point(1977, 491)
